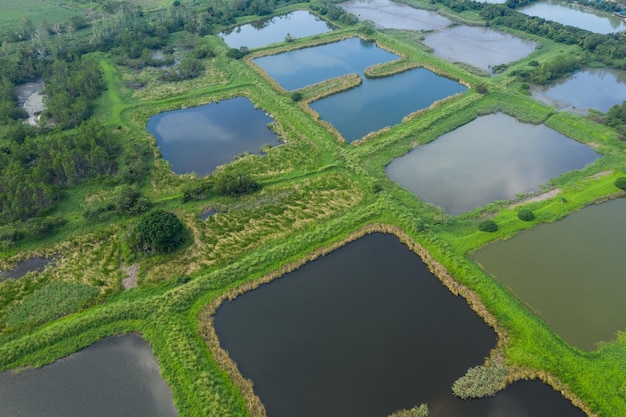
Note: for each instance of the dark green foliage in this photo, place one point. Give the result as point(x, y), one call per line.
point(621, 183)
point(232, 184)
point(34, 173)
point(51, 301)
point(70, 89)
point(616, 116)
point(158, 231)
point(197, 190)
point(130, 201)
point(548, 71)
point(296, 96)
point(235, 53)
point(482, 89)
point(488, 226)
point(421, 411)
point(526, 215)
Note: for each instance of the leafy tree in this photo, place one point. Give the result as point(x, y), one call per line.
point(231, 184)
point(526, 215)
point(488, 226)
point(621, 183)
point(158, 231)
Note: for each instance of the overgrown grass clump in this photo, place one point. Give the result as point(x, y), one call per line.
point(51, 301)
point(480, 381)
point(417, 411)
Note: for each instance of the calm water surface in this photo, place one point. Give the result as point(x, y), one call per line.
point(383, 102)
point(387, 14)
point(198, 139)
point(36, 263)
point(478, 46)
point(298, 24)
point(491, 158)
point(297, 69)
point(365, 331)
point(590, 88)
point(117, 376)
point(571, 272)
point(575, 15)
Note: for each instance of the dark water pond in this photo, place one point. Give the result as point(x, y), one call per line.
point(297, 69)
point(365, 331)
point(388, 14)
point(118, 376)
point(298, 24)
point(492, 158)
point(36, 263)
point(480, 47)
point(590, 88)
point(571, 272)
point(575, 15)
point(200, 138)
point(383, 102)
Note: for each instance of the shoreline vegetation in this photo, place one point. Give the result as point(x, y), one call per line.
point(318, 193)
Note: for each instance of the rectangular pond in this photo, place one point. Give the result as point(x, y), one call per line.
point(480, 47)
point(570, 272)
point(589, 88)
point(392, 15)
point(298, 24)
point(382, 102)
point(574, 14)
point(118, 376)
point(198, 139)
point(303, 67)
point(494, 157)
point(364, 331)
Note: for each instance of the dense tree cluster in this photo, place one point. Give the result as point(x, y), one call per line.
point(34, 172)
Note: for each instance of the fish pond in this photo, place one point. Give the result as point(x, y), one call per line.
point(381, 102)
point(480, 47)
point(589, 88)
point(198, 139)
point(391, 15)
point(570, 272)
point(298, 24)
point(573, 14)
point(494, 157)
point(364, 331)
point(303, 67)
point(118, 376)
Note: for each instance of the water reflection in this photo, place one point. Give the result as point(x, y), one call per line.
point(200, 138)
point(297, 69)
point(491, 158)
point(575, 15)
point(383, 101)
point(478, 46)
point(590, 88)
point(298, 24)
point(388, 14)
point(117, 376)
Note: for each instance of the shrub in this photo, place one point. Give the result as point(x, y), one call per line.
point(480, 381)
point(421, 411)
point(229, 184)
point(621, 183)
point(526, 215)
point(296, 96)
point(487, 226)
point(158, 231)
point(482, 89)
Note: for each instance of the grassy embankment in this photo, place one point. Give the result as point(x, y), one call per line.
point(317, 193)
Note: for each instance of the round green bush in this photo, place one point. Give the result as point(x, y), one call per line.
point(526, 215)
point(158, 231)
point(487, 226)
point(621, 183)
